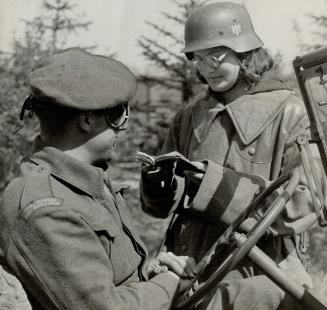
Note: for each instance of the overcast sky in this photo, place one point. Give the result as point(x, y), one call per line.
point(117, 24)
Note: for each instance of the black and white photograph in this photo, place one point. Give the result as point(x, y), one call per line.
point(163, 154)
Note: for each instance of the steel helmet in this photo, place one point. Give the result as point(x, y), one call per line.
point(220, 24)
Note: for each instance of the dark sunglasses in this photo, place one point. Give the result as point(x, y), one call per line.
point(117, 117)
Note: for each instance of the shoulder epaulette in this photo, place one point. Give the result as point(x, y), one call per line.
point(37, 192)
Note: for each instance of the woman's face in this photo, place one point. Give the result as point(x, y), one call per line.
point(220, 67)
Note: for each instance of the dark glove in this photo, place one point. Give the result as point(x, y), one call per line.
point(158, 187)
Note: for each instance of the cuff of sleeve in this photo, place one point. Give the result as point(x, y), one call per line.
point(168, 283)
point(225, 193)
point(208, 187)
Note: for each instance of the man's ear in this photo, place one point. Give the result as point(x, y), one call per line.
point(85, 121)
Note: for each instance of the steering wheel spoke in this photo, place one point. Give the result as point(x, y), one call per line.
point(241, 245)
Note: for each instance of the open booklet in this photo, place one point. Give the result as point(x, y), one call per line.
point(182, 163)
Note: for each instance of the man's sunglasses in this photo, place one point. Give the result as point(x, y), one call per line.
point(117, 117)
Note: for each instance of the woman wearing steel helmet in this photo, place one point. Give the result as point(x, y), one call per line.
point(242, 134)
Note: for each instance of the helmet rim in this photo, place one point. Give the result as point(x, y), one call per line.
point(247, 43)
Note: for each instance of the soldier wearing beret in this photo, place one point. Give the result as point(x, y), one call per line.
point(65, 231)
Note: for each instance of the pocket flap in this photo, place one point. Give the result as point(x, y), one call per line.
point(104, 223)
point(120, 187)
point(257, 153)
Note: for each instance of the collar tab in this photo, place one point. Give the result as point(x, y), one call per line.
point(85, 177)
point(252, 113)
point(204, 111)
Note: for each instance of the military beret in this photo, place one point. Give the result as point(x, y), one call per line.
point(78, 79)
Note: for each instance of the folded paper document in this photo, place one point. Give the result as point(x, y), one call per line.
point(181, 162)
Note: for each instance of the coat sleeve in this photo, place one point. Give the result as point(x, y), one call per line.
point(63, 264)
point(225, 193)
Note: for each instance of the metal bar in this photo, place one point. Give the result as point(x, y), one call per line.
point(280, 277)
point(311, 59)
point(313, 169)
point(311, 175)
point(317, 135)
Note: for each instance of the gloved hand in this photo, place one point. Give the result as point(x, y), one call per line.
point(196, 176)
point(158, 187)
point(158, 178)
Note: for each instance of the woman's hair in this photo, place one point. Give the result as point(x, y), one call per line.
point(253, 65)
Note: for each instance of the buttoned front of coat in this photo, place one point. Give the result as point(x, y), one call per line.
point(67, 235)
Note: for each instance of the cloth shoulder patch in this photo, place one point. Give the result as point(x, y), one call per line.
point(40, 203)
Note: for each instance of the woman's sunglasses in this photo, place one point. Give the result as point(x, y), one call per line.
point(212, 60)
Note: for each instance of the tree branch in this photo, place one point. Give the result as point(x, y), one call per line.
point(166, 33)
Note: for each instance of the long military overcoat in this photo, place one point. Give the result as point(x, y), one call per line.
point(247, 144)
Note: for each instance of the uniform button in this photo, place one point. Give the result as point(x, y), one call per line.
point(251, 151)
point(184, 247)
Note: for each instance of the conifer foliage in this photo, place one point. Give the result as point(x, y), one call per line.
point(43, 35)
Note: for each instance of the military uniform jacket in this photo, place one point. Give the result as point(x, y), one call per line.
point(246, 143)
point(67, 235)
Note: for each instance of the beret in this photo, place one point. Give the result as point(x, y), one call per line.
point(78, 79)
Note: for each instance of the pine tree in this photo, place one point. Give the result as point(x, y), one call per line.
point(175, 69)
point(317, 28)
point(43, 35)
point(168, 90)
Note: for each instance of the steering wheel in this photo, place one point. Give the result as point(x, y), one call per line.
point(230, 235)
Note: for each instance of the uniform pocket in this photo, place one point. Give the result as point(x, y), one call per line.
point(103, 224)
point(118, 246)
point(255, 152)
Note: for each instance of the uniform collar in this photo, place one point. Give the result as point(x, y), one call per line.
point(85, 177)
point(204, 111)
point(250, 113)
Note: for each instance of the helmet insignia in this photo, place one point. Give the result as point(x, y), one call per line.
point(236, 27)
